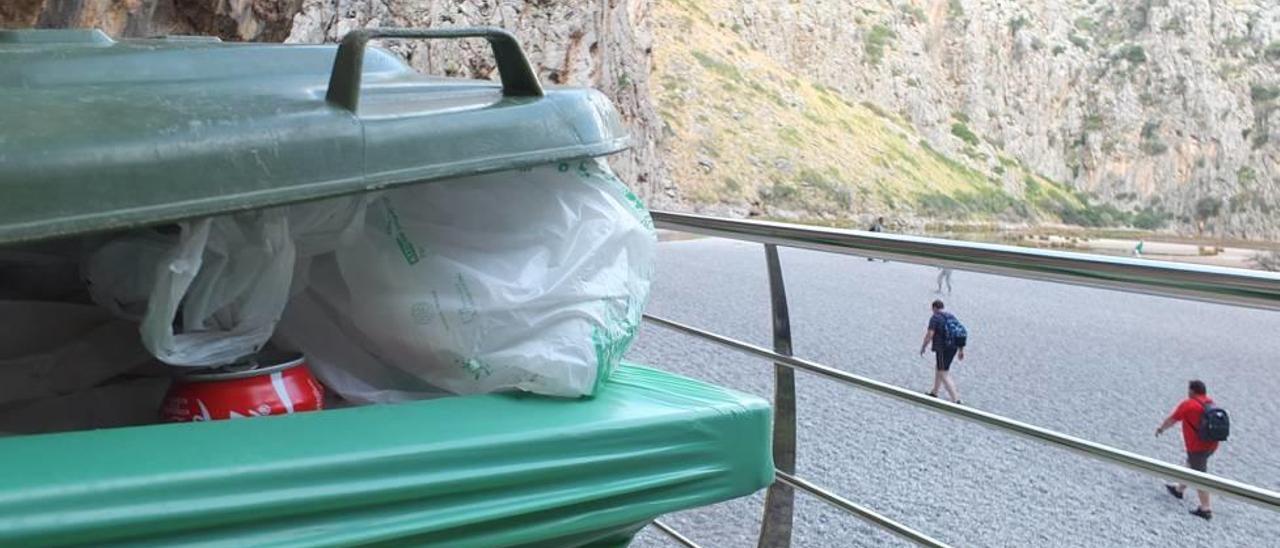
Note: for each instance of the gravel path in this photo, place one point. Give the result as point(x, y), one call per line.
point(1103, 365)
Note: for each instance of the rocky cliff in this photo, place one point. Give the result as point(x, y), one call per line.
point(261, 20)
point(1138, 112)
point(1167, 106)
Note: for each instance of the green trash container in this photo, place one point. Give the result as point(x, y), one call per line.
point(101, 135)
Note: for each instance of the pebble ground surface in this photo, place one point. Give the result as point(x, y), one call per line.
point(1103, 365)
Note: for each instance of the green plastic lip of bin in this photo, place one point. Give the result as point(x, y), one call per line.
point(97, 134)
point(476, 471)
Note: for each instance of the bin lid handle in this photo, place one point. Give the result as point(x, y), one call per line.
point(518, 78)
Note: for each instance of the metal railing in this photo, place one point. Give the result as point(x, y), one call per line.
point(1204, 283)
point(1187, 281)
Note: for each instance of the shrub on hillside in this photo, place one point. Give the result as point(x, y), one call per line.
point(1018, 23)
point(1150, 219)
point(1133, 53)
point(875, 42)
point(1273, 51)
point(1208, 207)
point(1261, 93)
point(959, 129)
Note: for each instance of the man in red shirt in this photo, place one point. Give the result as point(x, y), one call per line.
point(1198, 450)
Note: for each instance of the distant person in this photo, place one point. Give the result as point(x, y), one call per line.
point(877, 226)
point(1199, 436)
point(947, 337)
point(944, 274)
point(1137, 249)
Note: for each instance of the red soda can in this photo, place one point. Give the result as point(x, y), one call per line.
point(262, 385)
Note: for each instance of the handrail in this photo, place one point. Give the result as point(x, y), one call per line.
point(857, 510)
point(860, 511)
point(675, 535)
point(1187, 281)
point(1262, 497)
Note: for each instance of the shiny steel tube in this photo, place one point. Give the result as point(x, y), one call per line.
point(779, 500)
point(860, 511)
point(1215, 284)
point(675, 534)
point(1256, 495)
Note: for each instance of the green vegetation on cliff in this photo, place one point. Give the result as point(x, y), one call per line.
point(746, 132)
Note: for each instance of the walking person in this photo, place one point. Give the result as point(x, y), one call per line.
point(947, 336)
point(1200, 435)
point(877, 226)
point(944, 273)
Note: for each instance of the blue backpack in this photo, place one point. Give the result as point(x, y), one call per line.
point(956, 336)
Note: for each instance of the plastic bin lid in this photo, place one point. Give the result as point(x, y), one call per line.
point(100, 134)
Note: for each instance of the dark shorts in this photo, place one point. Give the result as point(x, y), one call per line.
point(944, 358)
point(1199, 461)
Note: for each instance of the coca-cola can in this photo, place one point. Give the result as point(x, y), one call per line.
point(262, 385)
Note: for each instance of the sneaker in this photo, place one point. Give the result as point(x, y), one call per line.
point(1173, 490)
point(1202, 513)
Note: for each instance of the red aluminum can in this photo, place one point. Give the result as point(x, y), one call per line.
point(266, 384)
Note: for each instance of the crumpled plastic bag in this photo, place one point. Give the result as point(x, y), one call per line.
point(121, 273)
point(52, 349)
point(529, 280)
point(316, 323)
point(45, 271)
point(229, 276)
point(223, 281)
point(129, 402)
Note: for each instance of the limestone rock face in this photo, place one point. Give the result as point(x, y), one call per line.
point(115, 17)
point(256, 20)
point(1170, 104)
point(238, 20)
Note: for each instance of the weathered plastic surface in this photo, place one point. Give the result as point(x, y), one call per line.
point(98, 134)
point(485, 471)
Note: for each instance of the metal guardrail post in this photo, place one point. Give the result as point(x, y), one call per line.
point(779, 502)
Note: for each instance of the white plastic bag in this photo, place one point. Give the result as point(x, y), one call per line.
point(131, 402)
point(316, 324)
point(43, 271)
point(230, 275)
point(121, 273)
point(532, 280)
point(50, 349)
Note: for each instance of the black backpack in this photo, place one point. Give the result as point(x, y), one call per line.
point(1215, 423)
